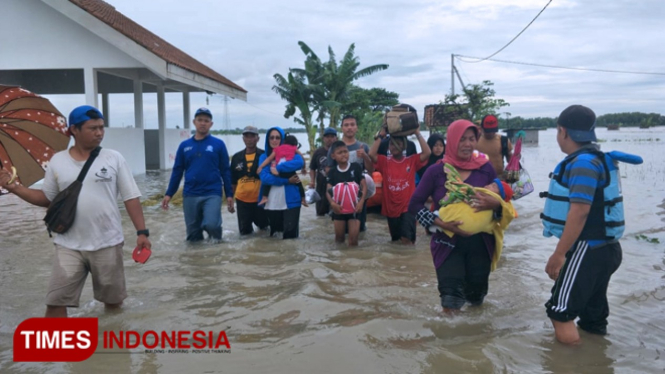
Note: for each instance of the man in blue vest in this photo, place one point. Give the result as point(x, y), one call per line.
point(586, 256)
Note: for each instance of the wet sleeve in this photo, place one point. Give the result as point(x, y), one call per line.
point(584, 176)
point(176, 172)
point(225, 170)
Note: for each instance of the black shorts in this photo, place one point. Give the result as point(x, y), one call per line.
point(345, 217)
point(581, 289)
point(403, 226)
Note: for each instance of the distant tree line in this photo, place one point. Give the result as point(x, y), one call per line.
point(626, 119)
point(238, 131)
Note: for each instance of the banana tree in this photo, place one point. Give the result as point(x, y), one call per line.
point(297, 94)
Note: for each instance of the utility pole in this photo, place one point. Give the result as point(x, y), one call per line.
point(227, 121)
point(452, 74)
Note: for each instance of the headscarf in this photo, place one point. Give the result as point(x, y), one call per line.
point(455, 132)
point(431, 141)
point(268, 148)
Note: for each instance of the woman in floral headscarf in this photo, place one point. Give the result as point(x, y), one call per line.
point(463, 261)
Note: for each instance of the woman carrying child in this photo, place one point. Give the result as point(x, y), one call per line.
point(283, 206)
point(463, 261)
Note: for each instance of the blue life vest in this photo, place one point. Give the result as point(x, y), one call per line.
point(605, 220)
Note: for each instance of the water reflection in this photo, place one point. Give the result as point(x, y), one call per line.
point(592, 356)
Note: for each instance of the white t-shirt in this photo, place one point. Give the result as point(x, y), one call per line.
point(277, 196)
point(97, 224)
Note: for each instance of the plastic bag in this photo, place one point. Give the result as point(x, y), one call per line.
point(311, 196)
point(371, 186)
point(523, 186)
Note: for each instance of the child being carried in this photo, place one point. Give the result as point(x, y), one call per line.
point(285, 152)
point(456, 205)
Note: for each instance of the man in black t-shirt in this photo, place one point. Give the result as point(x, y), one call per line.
point(317, 170)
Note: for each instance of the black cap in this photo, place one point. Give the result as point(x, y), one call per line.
point(580, 123)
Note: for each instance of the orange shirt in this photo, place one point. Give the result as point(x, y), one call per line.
point(248, 188)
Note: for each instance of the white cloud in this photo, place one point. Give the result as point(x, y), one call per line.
point(250, 41)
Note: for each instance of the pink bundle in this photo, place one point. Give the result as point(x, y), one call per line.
point(512, 171)
point(346, 195)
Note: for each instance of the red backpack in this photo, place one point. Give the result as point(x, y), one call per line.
point(346, 195)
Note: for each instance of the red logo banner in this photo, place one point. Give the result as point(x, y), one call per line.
point(55, 339)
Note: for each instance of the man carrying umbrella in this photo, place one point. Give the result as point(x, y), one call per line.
point(95, 240)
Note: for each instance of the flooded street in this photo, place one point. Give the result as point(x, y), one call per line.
point(309, 305)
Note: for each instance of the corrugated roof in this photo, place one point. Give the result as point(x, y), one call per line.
point(160, 47)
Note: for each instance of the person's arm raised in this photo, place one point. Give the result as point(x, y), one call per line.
point(425, 150)
point(374, 150)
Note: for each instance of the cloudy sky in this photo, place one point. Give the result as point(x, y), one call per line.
point(249, 41)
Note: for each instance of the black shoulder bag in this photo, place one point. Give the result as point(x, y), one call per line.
point(61, 212)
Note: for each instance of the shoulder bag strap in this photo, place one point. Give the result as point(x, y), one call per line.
point(88, 163)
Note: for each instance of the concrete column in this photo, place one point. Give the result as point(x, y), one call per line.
point(90, 79)
point(186, 114)
point(105, 109)
point(138, 104)
point(161, 120)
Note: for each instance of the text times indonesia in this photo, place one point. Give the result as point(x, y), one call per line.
point(76, 339)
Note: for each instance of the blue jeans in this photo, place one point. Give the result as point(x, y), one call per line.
point(203, 213)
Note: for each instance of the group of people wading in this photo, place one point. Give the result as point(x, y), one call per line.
point(583, 208)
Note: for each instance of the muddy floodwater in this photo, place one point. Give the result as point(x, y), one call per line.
point(310, 306)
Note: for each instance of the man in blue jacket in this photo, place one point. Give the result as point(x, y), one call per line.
point(205, 162)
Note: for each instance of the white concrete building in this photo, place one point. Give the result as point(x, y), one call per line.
point(92, 49)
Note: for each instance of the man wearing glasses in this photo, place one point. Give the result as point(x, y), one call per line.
point(246, 183)
point(204, 161)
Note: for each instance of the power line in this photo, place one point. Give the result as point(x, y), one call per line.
point(265, 110)
point(558, 66)
point(516, 36)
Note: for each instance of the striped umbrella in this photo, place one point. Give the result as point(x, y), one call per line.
point(31, 131)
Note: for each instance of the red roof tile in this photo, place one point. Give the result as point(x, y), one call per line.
point(160, 47)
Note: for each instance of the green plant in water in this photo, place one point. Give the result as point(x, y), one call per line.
point(647, 239)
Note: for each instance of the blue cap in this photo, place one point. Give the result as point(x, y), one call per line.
point(83, 113)
point(204, 111)
point(329, 131)
point(502, 191)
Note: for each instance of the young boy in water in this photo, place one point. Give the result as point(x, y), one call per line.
point(285, 152)
point(339, 179)
point(399, 183)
